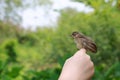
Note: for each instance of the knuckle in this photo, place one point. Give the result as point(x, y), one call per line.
point(92, 71)
point(92, 68)
point(88, 57)
point(92, 65)
point(67, 60)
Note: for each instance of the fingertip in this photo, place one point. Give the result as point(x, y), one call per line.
point(81, 51)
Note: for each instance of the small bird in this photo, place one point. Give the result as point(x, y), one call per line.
point(84, 42)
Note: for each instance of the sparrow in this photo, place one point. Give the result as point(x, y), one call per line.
point(85, 42)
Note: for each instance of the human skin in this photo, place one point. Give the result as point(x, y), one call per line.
point(78, 67)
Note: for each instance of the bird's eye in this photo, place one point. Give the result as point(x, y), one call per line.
point(74, 33)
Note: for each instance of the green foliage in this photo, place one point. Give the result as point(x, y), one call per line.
point(10, 51)
point(39, 55)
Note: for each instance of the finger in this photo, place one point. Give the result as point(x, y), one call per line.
point(80, 52)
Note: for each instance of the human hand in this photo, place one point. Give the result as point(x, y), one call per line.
point(78, 67)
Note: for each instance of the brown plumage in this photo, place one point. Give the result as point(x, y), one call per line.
point(84, 42)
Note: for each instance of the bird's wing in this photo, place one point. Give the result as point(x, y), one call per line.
point(89, 45)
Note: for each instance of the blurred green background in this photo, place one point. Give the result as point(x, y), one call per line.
point(40, 54)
